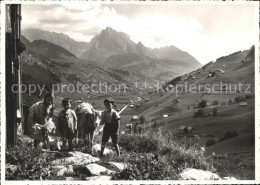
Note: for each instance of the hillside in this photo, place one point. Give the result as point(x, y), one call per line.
point(45, 64)
point(50, 50)
point(56, 38)
point(181, 106)
point(232, 69)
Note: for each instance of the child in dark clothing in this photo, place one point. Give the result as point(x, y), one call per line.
point(67, 121)
point(111, 119)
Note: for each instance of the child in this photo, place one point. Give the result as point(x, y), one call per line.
point(67, 121)
point(111, 119)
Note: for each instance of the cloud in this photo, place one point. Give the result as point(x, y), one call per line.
point(206, 31)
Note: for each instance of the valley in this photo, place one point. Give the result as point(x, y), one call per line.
point(126, 63)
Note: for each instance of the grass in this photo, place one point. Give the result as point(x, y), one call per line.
point(157, 155)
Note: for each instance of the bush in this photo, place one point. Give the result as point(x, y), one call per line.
point(142, 119)
point(199, 113)
point(202, 104)
point(139, 144)
point(215, 102)
point(228, 135)
point(31, 164)
point(210, 142)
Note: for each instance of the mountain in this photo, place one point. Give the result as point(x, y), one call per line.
point(114, 49)
point(44, 64)
point(56, 38)
point(48, 49)
point(174, 53)
point(109, 42)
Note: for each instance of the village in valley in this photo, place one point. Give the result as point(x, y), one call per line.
point(179, 119)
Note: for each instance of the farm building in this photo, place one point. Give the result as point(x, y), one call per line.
point(243, 104)
point(134, 118)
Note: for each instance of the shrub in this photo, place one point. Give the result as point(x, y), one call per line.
point(215, 102)
point(142, 119)
point(202, 104)
point(139, 144)
point(199, 113)
point(210, 142)
point(228, 135)
point(31, 164)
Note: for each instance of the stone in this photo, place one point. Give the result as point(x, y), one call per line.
point(70, 169)
point(195, 174)
point(57, 168)
point(77, 158)
point(119, 166)
point(229, 178)
point(97, 147)
point(11, 168)
point(95, 169)
point(99, 178)
point(62, 172)
point(69, 178)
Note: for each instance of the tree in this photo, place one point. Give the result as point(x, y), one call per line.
point(142, 119)
point(214, 111)
point(198, 114)
point(230, 101)
point(202, 104)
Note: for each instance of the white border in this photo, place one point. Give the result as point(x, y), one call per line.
point(257, 93)
point(3, 118)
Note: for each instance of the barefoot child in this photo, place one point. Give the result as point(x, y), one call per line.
point(111, 119)
point(67, 121)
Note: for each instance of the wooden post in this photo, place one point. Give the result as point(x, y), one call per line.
point(13, 99)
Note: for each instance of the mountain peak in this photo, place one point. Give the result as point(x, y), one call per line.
point(109, 28)
point(110, 32)
point(140, 43)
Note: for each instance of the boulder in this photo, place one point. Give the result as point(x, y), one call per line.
point(119, 166)
point(56, 169)
point(95, 169)
point(99, 178)
point(195, 174)
point(61, 170)
point(229, 178)
point(77, 158)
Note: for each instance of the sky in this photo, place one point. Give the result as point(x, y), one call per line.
point(206, 31)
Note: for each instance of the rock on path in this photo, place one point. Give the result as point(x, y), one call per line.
point(77, 158)
point(195, 174)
